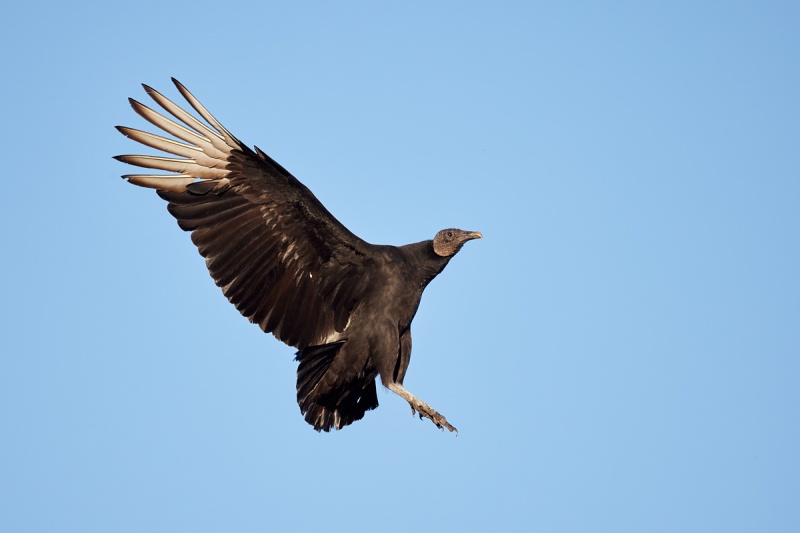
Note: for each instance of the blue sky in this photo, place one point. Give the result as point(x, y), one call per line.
point(621, 352)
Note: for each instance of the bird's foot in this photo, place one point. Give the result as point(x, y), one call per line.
point(425, 410)
point(418, 406)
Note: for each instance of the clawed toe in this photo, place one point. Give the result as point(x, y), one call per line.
point(426, 411)
point(421, 408)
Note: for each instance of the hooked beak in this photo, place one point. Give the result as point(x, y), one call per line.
point(473, 235)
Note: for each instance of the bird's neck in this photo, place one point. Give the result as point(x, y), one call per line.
point(427, 263)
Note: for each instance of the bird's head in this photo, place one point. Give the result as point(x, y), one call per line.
point(449, 241)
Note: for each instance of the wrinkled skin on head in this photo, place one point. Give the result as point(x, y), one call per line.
point(449, 241)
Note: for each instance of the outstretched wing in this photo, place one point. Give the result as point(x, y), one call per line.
point(279, 256)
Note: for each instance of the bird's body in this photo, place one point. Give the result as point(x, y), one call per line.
point(289, 266)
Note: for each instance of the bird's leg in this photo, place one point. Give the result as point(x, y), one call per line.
point(418, 406)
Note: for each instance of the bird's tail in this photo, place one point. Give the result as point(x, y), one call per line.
point(328, 402)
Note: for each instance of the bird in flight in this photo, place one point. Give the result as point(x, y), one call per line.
point(289, 266)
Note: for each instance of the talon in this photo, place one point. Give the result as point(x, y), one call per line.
point(421, 408)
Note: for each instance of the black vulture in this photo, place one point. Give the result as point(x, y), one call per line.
point(289, 266)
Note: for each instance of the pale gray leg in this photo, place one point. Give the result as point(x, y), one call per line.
point(418, 406)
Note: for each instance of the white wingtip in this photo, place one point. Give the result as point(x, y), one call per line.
point(162, 183)
point(204, 152)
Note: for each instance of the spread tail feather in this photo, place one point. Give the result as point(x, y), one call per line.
point(330, 403)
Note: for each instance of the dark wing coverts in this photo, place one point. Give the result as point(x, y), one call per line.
point(279, 256)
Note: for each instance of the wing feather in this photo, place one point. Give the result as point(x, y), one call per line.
point(277, 254)
point(160, 143)
point(163, 183)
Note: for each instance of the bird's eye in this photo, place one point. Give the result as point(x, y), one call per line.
point(449, 234)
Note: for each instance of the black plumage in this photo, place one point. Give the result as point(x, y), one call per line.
point(289, 266)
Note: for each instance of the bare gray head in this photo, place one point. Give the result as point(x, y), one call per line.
point(449, 241)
